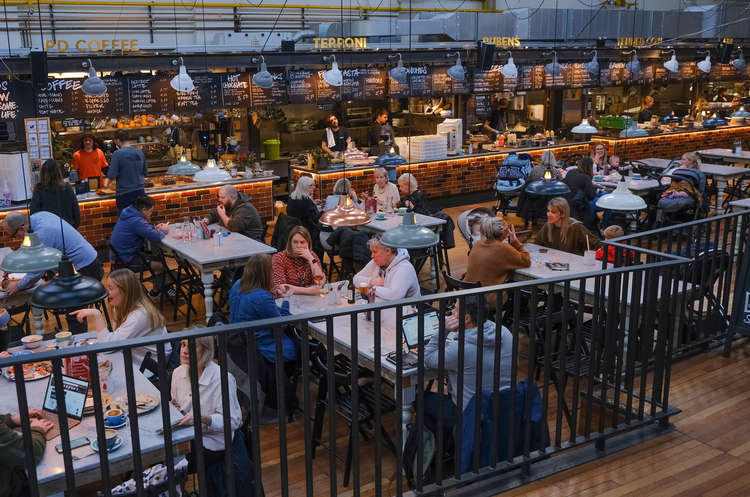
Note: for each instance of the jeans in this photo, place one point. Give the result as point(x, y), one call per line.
point(432, 401)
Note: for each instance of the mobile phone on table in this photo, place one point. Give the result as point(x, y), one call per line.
point(74, 444)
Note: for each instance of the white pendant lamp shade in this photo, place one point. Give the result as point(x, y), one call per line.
point(633, 131)
point(592, 67)
point(509, 69)
point(182, 83)
point(705, 64)
point(333, 76)
point(621, 199)
point(183, 167)
point(211, 173)
point(553, 68)
point(398, 73)
point(634, 66)
point(741, 112)
point(457, 71)
point(93, 85)
point(584, 128)
point(672, 65)
point(263, 78)
point(739, 63)
point(31, 257)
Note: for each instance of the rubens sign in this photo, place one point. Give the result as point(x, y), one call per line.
point(93, 45)
point(503, 41)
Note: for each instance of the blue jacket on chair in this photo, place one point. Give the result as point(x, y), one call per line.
point(259, 304)
point(130, 233)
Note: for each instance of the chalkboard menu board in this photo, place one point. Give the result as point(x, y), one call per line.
point(205, 96)
point(689, 70)
point(442, 84)
point(61, 98)
point(723, 71)
point(352, 87)
point(302, 86)
point(235, 90)
point(576, 75)
point(325, 93)
point(150, 95)
point(556, 81)
point(15, 101)
point(372, 81)
point(488, 81)
point(654, 72)
point(482, 105)
point(267, 97)
point(614, 75)
point(530, 77)
point(418, 83)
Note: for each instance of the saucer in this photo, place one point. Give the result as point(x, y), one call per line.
point(114, 427)
point(117, 445)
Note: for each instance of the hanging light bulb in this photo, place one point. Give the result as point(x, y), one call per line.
point(182, 82)
point(739, 63)
point(509, 69)
point(592, 67)
point(410, 235)
point(93, 85)
point(333, 76)
point(262, 78)
point(457, 71)
point(634, 66)
point(398, 73)
point(705, 64)
point(672, 65)
point(553, 68)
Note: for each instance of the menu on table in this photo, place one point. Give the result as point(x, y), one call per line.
point(235, 90)
point(267, 97)
point(205, 96)
point(302, 86)
point(150, 95)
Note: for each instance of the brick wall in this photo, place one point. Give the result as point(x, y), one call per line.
point(674, 145)
point(98, 217)
point(439, 178)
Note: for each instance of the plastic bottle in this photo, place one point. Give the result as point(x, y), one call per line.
point(6, 200)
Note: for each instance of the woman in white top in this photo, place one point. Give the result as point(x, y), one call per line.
point(133, 312)
point(385, 192)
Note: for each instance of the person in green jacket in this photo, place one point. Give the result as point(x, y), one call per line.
point(12, 455)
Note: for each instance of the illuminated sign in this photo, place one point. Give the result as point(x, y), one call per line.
point(93, 45)
point(503, 41)
point(339, 43)
point(637, 42)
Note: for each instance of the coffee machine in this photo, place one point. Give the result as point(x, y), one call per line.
point(453, 130)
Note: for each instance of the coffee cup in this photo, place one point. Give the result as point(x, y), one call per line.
point(636, 175)
point(63, 338)
point(111, 436)
point(114, 417)
point(379, 216)
point(402, 210)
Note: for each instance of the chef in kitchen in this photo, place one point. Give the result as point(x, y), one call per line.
point(336, 138)
point(498, 121)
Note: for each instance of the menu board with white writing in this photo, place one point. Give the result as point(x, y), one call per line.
point(418, 83)
point(302, 86)
point(530, 77)
point(325, 93)
point(267, 97)
point(60, 98)
point(353, 86)
point(482, 105)
point(575, 75)
point(15, 100)
point(488, 81)
point(614, 75)
point(723, 71)
point(235, 90)
point(150, 95)
point(205, 96)
point(442, 84)
point(373, 82)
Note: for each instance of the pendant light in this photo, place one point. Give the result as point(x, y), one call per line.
point(584, 128)
point(705, 64)
point(182, 83)
point(262, 78)
point(457, 71)
point(672, 65)
point(345, 214)
point(553, 68)
point(739, 63)
point(509, 69)
point(634, 66)
point(183, 167)
point(592, 67)
point(333, 76)
point(211, 173)
point(398, 73)
point(547, 186)
point(622, 199)
point(93, 85)
point(410, 235)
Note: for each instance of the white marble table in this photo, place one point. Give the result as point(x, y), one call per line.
point(637, 186)
point(393, 219)
point(726, 155)
point(342, 336)
point(51, 469)
point(234, 250)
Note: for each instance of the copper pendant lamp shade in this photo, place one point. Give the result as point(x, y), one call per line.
point(346, 214)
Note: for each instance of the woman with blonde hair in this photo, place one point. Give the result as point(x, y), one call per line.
point(384, 191)
point(297, 268)
point(302, 205)
point(562, 232)
point(599, 156)
point(133, 312)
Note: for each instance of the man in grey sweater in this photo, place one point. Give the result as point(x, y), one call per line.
point(467, 377)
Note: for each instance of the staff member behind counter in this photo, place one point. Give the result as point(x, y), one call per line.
point(336, 138)
point(497, 123)
point(645, 114)
point(381, 136)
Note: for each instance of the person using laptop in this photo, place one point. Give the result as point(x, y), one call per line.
point(468, 376)
point(13, 481)
point(389, 274)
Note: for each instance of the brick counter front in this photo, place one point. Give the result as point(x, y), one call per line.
point(669, 146)
point(98, 217)
point(439, 178)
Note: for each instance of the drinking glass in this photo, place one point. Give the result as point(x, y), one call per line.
point(363, 290)
point(324, 289)
point(318, 278)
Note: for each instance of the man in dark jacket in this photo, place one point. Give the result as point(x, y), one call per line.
point(236, 213)
point(12, 455)
point(131, 232)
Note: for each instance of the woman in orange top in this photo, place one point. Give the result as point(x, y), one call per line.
point(89, 160)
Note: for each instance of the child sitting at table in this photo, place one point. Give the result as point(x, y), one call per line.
point(611, 232)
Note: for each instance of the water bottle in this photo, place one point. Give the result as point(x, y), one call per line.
point(738, 147)
point(6, 195)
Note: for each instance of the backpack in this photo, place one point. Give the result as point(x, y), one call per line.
point(411, 450)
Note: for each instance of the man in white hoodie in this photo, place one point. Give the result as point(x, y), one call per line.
point(390, 273)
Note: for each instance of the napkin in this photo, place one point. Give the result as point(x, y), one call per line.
point(81, 452)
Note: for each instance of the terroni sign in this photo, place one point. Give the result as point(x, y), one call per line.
point(338, 43)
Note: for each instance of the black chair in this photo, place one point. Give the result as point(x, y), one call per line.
point(703, 315)
point(452, 284)
point(447, 240)
point(187, 284)
point(140, 264)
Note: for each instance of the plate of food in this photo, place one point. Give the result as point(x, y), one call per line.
point(31, 371)
point(145, 402)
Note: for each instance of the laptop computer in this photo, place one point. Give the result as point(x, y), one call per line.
point(410, 327)
point(76, 390)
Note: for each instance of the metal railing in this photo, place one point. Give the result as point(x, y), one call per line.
point(590, 359)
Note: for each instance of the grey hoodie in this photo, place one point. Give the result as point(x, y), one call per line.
point(470, 360)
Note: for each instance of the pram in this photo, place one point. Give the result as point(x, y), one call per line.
point(467, 218)
point(510, 179)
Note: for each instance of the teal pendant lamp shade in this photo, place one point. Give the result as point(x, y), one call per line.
point(409, 235)
point(548, 186)
point(68, 290)
point(31, 257)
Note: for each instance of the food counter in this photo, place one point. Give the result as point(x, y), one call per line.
point(173, 203)
point(451, 176)
point(670, 145)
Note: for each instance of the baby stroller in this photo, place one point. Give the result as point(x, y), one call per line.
point(467, 219)
point(510, 180)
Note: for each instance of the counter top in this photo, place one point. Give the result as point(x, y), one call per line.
point(670, 133)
